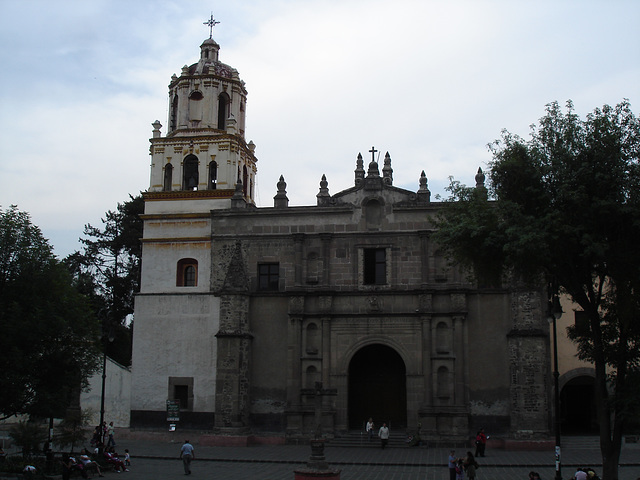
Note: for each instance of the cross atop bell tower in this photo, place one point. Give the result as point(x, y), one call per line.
point(211, 23)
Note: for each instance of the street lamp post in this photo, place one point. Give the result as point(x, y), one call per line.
point(555, 312)
point(109, 337)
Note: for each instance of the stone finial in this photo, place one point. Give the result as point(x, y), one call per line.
point(387, 171)
point(156, 128)
point(281, 200)
point(252, 146)
point(423, 192)
point(185, 70)
point(323, 195)
point(232, 124)
point(373, 171)
point(359, 170)
point(237, 200)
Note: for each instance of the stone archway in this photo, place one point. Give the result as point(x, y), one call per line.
point(577, 406)
point(377, 387)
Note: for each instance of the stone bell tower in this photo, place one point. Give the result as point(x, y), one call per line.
point(203, 163)
point(204, 154)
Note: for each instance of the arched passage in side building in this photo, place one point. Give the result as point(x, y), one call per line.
point(377, 387)
point(577, 403)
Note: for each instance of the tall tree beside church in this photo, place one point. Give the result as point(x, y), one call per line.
point(108, 269)
point(567, 208)
point(48, 332)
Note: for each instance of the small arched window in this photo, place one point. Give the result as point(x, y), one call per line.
point(173, 123)
point(168, 177)
point(187, 273)
point(213, 175)
point(224, 103)
point(190, 173)
point(195, 106)
point(245, 180)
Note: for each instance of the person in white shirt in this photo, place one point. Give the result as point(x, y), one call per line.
point(383, 433)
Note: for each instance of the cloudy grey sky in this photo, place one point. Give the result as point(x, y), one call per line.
point(430, 81)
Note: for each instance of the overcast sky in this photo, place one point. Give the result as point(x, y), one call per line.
point(431, 82)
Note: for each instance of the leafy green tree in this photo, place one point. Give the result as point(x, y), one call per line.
point(107, 269)
point(567, 208)
point(49, 332)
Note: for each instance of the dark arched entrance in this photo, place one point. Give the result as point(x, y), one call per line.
point(577, 407)
point(377, 387)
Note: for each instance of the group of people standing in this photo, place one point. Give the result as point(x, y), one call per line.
point(459, 466)
point(101, 432)
point(383, 432)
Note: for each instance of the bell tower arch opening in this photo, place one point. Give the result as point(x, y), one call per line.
point(377, 387)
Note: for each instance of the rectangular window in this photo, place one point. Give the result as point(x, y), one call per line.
point(181, 393)
point(375, 266)
point(268, 276)
point(181, 388)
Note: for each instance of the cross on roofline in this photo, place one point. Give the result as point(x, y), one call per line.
point(211, 23)
point(373, 154)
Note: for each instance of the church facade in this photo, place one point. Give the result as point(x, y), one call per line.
point(270, 320)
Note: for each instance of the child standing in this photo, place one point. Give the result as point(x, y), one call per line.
point(127, 458)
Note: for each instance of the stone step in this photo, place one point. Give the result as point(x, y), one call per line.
point(361, 439)
point(580, 442)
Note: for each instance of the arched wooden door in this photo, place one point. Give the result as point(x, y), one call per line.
point(377, 387)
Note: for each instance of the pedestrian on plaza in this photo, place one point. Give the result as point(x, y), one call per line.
point(383, 433)
point(459, 470)
point(370, 428)
point(127, 457)
point(591, 474)
point(452, 465)
point(470, 466)
point(111, 430)
point(187, 454)
point(534, 476)
point(580, 475)
point(481, 443)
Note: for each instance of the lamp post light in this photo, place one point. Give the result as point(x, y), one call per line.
point(554, 313)
point(106, 339)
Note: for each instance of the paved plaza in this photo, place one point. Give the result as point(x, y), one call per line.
point(159, 460)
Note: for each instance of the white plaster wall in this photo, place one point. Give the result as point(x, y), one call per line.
point(174, 337)
point(160, 265)
point(199, 205)
point(117, 404)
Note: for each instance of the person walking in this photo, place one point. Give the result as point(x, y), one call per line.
point(383, 433)
point(187, 454)
point(370, 428)
point(111, 430)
